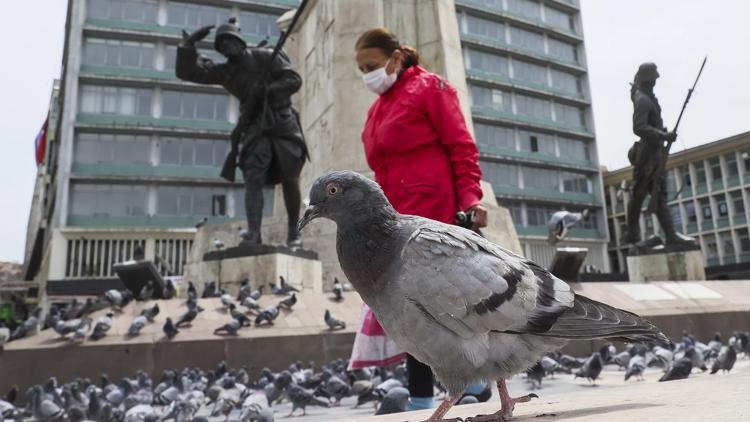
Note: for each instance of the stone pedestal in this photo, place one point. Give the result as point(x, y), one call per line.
point(260, 264)
point(667, 266)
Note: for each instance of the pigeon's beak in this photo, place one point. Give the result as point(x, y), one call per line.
point(311, 213)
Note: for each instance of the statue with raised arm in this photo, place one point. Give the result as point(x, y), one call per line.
point(648, 156)
point(267, 143)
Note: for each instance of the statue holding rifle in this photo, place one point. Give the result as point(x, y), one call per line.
point(267, 143)
point(649, 157)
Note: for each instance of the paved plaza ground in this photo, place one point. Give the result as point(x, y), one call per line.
point(702, 397)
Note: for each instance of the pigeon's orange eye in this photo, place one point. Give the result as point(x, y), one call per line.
point(333, 190)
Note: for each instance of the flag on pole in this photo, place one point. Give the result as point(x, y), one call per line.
point(40, 143)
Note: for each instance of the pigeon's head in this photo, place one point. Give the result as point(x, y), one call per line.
point(340, 195)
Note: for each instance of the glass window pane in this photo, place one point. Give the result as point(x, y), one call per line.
point(527, 40)
point(186, 151)
point(204, 152)
point(490, 136)
point(170, 103)
point(167, 200)
point(529, 72)
point(169, 151)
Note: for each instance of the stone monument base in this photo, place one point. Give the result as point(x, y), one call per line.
point(261, 264)
point(667, 266)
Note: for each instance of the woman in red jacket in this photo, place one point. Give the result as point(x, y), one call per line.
point(417, 143)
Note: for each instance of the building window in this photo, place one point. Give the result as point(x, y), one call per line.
point(676, 216)
point(721, 205)
point(575, 182)
point(690, 212)
point(116, 53)
point(526, 8)
point(516, 211)
point(97, 99)
point(193, 152)
point(539, 178)
point(188, 200)
point(495, 99)
point(170, 56)
point(738, 203)
point(260, 24)
point(100, 148)
point(570, 115)
point(685, 177)
point(705, 205)
point(485, 28)
point(500, 174)
point(527, 40)
point(192, 105)
point(565, 82)
point(731, 162)
point(530, 73)
point(490, 136)
point(108, 200)
point(488, 63)
point(712, 250)
point(538, 215)
point(744, 238)
point(700, 173)
point(727, 243)
point(573, 149)
point(537, 142)
point(533, 107)
point(126, 10)
point(193, 16)
point(715, 165)
point(559, 19)
point(562, 50)
point(671, 183)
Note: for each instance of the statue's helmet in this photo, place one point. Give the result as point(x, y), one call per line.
point(229, 29)
point(646, 73)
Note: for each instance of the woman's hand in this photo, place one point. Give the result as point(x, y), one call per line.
point(480, 216)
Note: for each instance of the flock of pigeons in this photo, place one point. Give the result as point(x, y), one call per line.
point(678, 362)
point(73, 321)
point(224, 393)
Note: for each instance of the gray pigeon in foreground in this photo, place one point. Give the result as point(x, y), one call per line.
point(468, 308)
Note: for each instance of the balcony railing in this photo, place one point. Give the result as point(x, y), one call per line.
point(93, 255)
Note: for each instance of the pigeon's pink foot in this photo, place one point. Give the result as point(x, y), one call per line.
point(444, 407)
point(508, 403)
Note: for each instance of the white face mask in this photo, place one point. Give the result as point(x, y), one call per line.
point(378, 80)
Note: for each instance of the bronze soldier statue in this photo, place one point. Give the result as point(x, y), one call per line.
point(267, 143)
point(648, 156)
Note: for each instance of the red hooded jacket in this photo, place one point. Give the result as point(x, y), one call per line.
point(417, 143)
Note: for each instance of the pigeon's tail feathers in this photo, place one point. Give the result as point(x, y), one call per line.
point(589, 319)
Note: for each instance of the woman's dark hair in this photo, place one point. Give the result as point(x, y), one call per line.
point(387, 42)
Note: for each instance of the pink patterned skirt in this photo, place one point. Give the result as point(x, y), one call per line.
point(372, 346)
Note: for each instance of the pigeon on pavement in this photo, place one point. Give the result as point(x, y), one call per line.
point(147, 292)
point(338, 290)
point(332, 322)
point(137, 325)
point(395, 401)
point(267, 315)
point(151, 313)
point(230, 328)
point(466, 307)
point(289, 302)
point(170, 330)
point(725, 360)
point(680, 369)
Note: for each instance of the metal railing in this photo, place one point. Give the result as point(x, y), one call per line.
point(94, 255)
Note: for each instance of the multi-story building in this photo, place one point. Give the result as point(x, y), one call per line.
point(708, 193)
point(531, 106)
point(137, 152)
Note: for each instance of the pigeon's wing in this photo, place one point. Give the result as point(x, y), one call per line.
point(470, 286)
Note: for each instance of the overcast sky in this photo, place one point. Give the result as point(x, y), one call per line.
point(621, 34)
